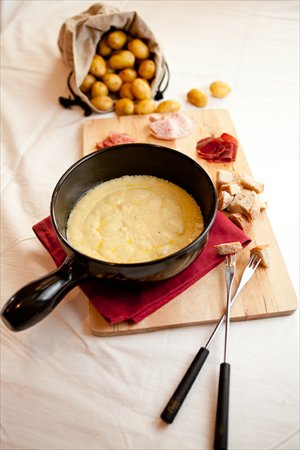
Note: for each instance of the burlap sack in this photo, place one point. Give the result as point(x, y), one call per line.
point(78, 40)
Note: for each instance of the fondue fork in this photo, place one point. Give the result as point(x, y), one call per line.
point(175, 402)
point(221, 429)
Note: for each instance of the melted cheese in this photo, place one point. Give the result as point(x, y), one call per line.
point(134, 219)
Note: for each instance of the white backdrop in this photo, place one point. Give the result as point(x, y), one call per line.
point(65, 389)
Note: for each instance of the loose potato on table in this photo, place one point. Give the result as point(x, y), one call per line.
point(219, 89)
point(121, 59)
point(112, 81)
point(138, 48)
point(141, 89)
point(168, 106)
point(146, 106)
point(124, 107)
point(102, 102)
point(197, 98)
point(147, 69)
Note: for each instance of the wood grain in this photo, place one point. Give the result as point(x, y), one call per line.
point(268, 294)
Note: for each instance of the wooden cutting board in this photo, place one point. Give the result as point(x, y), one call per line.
point(268, 294)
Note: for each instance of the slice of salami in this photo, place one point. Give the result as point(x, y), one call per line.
point(171, 126)
point(114, 138)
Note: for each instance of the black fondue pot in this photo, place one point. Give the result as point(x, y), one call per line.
point(37, 299)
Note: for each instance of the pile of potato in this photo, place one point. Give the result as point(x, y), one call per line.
point(120, 75)
point(120, 78)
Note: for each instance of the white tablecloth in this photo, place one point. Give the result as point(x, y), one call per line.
point(63, 388)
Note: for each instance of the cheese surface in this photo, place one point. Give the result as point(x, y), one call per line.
point(134, 219)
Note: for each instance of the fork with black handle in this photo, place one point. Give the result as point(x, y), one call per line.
point(221, 429)
point(174, 404)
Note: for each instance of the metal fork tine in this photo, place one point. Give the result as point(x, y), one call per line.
point(175, 402)
point(221, 427)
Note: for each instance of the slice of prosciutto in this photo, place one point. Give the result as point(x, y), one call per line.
point(169, 126)
point(221, 149)
point(114, 138)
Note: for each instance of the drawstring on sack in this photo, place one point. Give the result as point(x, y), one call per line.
point(160, 92)
point(68, 102)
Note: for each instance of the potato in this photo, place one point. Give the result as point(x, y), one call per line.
point(219, 89)
point(141, 89)
point(116, 39)
point(112, 81)
point(147, 69)
point(102, 102)
point(125, 91)
point(146, 106)
point(124, 107)
point(98, 66)
point(168, 106)
point(197, 98)
point(108, 68)
point(138, 48)
point(121, 59)
point(99, 88)
point(87, 83)
point(103, 49)
point(128, 75)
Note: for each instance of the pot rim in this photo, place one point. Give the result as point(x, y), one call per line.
point(176, 254)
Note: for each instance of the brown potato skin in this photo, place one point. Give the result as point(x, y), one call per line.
point(112, 81)
point(87, 83)
point(128, 75)
point(146, 106)
point(141, 89)
point(147, 69)
point(219, 89)
point(168, 106)
point(103, 48)
point(197, 98)
point(124, 107)
point(138, 48)
point(116, 39)
point(126, 92)
point(99, 88)
point(102, 102)
point(121, 59)
point(98, 66)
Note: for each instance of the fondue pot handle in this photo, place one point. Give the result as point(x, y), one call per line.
point(36, 300)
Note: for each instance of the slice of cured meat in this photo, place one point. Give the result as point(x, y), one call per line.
point(221, 149)
point(171, 126)
point(114, 138)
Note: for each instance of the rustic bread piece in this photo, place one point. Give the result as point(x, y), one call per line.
point(224, 200)
point(228, 248)
point(231, 188)
point(225, 177)
point(262, 251)
point(241, 221)
point(262, 204)
point(246, 203)
point(250, 183)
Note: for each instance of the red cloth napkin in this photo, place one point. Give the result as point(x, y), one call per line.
point(118, 301)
